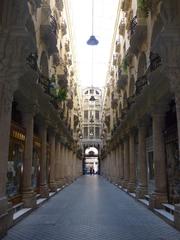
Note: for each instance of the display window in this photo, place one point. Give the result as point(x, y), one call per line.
point(15, 161)
point(48, 163)
point(36, 162)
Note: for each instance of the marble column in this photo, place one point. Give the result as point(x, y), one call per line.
point(52, 183)
point(141, 189)
point(132, 165)
point(126, 162)
point(160, 194)
point(28, 195)
point(6, 214)
point(44, 191)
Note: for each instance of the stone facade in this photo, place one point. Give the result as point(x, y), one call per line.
point(141, 103)
point(40, 103)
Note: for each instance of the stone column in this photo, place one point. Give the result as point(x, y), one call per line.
point(57, 164)
point(121, 163)
point(132, 173)
point(52, 183)
point(61, 166)
point(44, 191)
point(160, 194)
point(65, 165)
point(141, 189)
point(28, 195)
point(177, 98)
point(177, 216)
point(113, 161)
point(126, 162)
point(6, 215)
point(117, 165)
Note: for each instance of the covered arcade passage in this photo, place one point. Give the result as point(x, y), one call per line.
point(92, 209)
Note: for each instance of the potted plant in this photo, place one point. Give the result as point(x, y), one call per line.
point(143, 7)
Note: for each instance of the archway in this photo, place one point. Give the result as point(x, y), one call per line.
point(91, 161)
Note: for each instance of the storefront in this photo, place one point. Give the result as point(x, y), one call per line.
point(36, 163)
point(15, 162)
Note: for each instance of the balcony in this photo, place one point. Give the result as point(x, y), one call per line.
point(69, 104)
point(63, 28)
point(115, 59)
point(48, 33)
point(126, 4)
point(138, 32)
point(56, 59)
point(130, 101)
point(155, 61)
point(114, 103)
point(59, 5)
point(122, 81)
point(67, 48)
point(141, 83)
point(62, 81)
point(118, 46)
point(122, 27)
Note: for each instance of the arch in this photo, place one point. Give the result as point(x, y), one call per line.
point(142, 65)
point(89, 150)
point(44, 64)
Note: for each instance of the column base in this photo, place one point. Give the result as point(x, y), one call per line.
point(131, 187)
point(29, 199)
point(53, 186)
point(113, 179)
point(141, 191)
point(156, 200)
point(125, 184)
point(177, 216)
point(44, 191)
point(60, 183)
point(6, 216)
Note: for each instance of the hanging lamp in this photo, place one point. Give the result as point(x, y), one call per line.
point(92, 41)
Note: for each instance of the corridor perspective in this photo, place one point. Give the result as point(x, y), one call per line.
point(92, 209)
point(90, 119)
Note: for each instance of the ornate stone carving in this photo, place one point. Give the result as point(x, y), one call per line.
point(6, 97)
point(170, 11)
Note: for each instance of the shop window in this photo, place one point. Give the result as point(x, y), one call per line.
point(36, 162)
point(85, 114)
point(151, 165)
point(85, 132)
point(97, 115)
point(97, 132)
point(15, 169)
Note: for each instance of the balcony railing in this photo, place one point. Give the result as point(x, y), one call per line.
point(155, 61)
point(130, 101)
point(140, 83)
point(133, 25)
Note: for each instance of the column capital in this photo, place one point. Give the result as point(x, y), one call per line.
point(29, 108)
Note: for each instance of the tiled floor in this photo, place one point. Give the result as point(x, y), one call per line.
point(92, 209)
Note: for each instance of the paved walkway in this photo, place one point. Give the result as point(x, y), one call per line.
point(92, 209)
